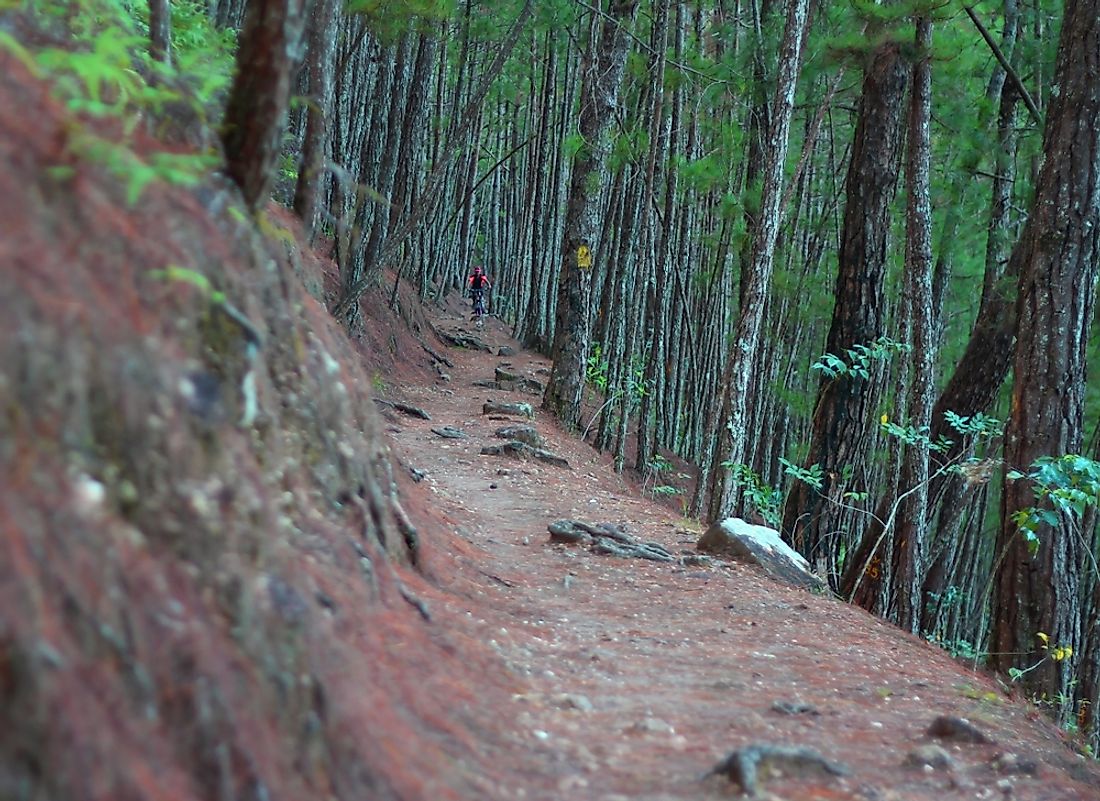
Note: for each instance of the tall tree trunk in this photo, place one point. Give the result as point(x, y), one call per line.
point(160, 30)
point(1057, 257)
point(910, 535)
point(845, 404)
point(603, 72)
point(256, 110)
point(311, 170)
point(740, 384)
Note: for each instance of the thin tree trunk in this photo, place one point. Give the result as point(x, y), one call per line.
point(160, 30)
point(911, 532)
point(844, 405)
point(311, 170)
point(599, 97)
point(740, 382)
point(256, 110)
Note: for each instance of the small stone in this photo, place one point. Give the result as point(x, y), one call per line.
point(1013, 764)
point(506, 350)
point(652, 726)
point(931, 757)
point(794, 708)
point(961, 730)
point(574, 701)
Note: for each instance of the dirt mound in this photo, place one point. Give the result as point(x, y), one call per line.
point(204, 589)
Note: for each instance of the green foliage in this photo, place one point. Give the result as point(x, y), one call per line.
point(106, 71)
point(766, 500)
point(595, 368)
point(192, 277)
point(1066, 485)
point(859, 358)
point(814, 475)
point(388, 19)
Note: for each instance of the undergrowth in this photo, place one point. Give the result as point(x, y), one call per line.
point(95, 54)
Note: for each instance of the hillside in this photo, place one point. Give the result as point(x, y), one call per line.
point(220, 580)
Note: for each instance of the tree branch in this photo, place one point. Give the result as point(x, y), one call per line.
point(1006, 66)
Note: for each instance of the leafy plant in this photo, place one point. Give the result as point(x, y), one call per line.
point(814, 475)
point(105, 71)
point(859, 358)
point(1063, 485)
point(1055, 653)
point(764, 499)
point(595, 368)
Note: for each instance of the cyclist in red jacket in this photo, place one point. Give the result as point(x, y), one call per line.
point(478, 284)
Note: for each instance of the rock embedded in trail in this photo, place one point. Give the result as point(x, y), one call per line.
point(460, 339)
point(959, 730)
point(447, 432)
point(515, 409)
point(508, 380)
point(525, 434)
point(761, 546)
point(405, 408)
point(523, 450)
point(506, 350)
point(607, 539)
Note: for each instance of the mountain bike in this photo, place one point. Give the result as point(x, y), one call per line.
point(477, 297)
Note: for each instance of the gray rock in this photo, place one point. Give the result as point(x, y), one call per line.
point(462, 340)
point(516, 409)
point(516, 448)
point(931, 757)
point(449, 433)
point(509, 380)
point(1014, 764)
point(959, 730)
point(506, 350)
point(525, 434)
point(574, 701)
point(794, 708)
point(759, 545)
point(405, 408)
point(567, 531)
point(652, 726)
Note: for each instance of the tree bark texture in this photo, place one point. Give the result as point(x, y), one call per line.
point(1057, 257)
point(256, 110)
point(160, 30)
point(754, 291)
point(845, 404)
point(602, 77)
point(321, 64)
point(911, 531)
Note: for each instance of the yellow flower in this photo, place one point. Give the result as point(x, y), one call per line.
point(1042, 637)
point(884, 419)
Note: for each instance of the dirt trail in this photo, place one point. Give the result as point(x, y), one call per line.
point(627, 679)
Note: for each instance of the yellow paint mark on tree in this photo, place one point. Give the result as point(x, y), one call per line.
point(584, 257)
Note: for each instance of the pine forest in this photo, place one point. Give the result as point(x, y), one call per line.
point(829, 267)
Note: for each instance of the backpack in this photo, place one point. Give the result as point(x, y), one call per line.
point(477, 281)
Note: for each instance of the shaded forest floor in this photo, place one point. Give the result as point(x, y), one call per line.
point(618, 678)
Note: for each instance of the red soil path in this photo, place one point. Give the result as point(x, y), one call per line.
point(606, 678)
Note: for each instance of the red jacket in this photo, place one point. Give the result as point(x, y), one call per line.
point(485, 282)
